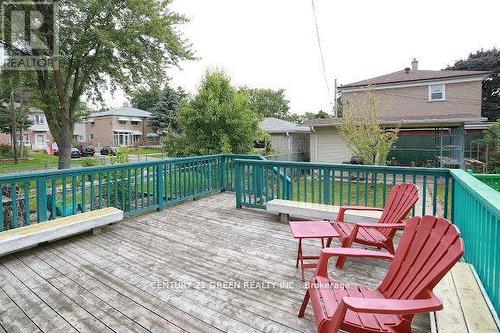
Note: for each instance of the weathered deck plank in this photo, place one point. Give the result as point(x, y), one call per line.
point(165, 272)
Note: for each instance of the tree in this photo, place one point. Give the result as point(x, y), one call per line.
point(361, 130)
point(320, 115)
point(269, 102)
point(492, 139)
point(14, 112)
point(219, 119)
point(488, 60)
point(102, 44)
point(163, 106)
point(145, 99)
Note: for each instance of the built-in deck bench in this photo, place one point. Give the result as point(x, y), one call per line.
point(466, 305)
point(21, 238)
point(307, 210)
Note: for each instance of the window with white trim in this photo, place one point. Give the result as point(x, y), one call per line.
point(436, 92)
point(38, 119)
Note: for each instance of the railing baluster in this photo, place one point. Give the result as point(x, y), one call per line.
point(83, 193)
point(13, 202)
point(424, 193)
point(446, 188)
point(26, 203)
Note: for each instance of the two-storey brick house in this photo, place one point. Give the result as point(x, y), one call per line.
point(123, 126)
point(432, 107)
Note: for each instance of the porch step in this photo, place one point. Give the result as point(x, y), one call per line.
point(21, 238)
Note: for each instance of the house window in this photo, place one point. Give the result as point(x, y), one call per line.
point(91, 136)
point(135, 123)
point(38, 119)
point(122, 122)
point(436, 92)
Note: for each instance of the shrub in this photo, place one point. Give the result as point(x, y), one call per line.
point(5, 150)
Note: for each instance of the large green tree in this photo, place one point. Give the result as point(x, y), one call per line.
point(102, 44)
point(162, 104)
point(488, 60)
point(269, 102)
point(14, 108)
point(218, 119)
point(145, 98)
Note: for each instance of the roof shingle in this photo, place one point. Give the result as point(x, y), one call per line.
point(413, 75)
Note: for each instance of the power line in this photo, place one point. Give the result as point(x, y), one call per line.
point(320, 48)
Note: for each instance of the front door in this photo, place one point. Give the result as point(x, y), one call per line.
point(40, 139)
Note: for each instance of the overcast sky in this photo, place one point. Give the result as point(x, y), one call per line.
point(273, 44)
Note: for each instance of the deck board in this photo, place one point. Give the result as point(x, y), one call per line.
point(183, 269)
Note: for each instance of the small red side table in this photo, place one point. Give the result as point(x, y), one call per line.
point(311, 230)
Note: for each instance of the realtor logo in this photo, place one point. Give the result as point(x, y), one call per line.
point(29, 35)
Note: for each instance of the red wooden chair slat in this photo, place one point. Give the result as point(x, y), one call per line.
point(402, 198)
point(428, 249)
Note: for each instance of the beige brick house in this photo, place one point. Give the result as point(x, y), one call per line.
point(440, 103)
point(123, 126)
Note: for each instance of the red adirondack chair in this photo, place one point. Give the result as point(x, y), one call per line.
point(402, 198)
point(428, 249)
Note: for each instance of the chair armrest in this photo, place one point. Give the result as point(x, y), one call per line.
point(393, 306)
point(322, 267)
point(382, 306)
point(382, 225)
point(343, 209)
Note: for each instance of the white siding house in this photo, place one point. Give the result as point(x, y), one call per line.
point(289, 139)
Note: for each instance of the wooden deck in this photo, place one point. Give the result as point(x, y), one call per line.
point(202, 266)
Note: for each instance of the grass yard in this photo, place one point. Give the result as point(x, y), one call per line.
point(345, 192)
point(36, 161)
point(145, 151)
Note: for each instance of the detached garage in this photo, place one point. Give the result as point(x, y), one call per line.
point(326, 144)
point(290, 140)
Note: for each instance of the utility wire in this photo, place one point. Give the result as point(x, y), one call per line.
point(320, 48)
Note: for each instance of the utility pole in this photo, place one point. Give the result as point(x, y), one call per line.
point(335, 113)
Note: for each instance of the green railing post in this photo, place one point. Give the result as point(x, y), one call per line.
point(160, 188)
point(259, 181)
point(41, 199)
point(222, 175)
point(238, 183)
point(326, 187)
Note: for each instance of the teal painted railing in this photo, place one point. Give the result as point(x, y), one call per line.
point(476, 212)
point(135, 188)
point(260, 181)
point(492, 181)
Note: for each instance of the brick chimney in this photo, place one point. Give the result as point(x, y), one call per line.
point(414, 65)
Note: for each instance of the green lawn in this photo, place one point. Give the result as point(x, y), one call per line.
point(145, 151)
point(36, 161)
point(346, 192)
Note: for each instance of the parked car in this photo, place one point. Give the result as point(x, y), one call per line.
point(108, 150)
point(75, 153)
point(86, 150)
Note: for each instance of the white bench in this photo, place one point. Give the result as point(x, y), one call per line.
point(21, 238)
point(307, 210)
point(466, 304)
